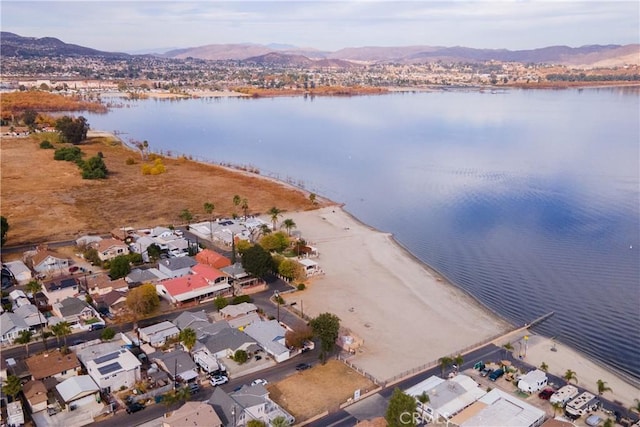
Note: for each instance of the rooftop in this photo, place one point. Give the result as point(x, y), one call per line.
point(51, 363)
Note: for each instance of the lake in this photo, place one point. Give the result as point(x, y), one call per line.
point(528, 200)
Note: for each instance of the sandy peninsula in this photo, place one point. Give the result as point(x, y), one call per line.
point(406, 314)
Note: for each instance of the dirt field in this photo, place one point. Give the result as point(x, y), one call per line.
point(319, 389)
point(47, 200)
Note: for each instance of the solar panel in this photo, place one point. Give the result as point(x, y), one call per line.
point(112, 367)
point(100, 360)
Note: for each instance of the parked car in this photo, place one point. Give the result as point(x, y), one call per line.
point(302, 366)
point(218, 380)
point(258, 357)
point(134, 407)
point(486, 371)
point(259, 381)
point(546, 393)
point(194, 388)
point(96, 326)
point(496, 374)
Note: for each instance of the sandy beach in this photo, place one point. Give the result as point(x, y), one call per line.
point(587, 371)
point(406, 315)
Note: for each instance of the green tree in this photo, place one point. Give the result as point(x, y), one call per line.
point(400, 410)
point(220, 302)
point(275, 214)
point(4, 228)
point(312, 198)
point(291, 269)
point(24, 337)
point(279, 421)
point(570, 376)
point(143, 300)
point(557, 407)
point(154, 252)
point(12, 386)
point(255, 423)
point(236, 202)
point(63, 330)
point(602, 387)
point(119, 267)
point(72, 130)
point(29, 118)
point(275, 242)
point(188, 338)
point(240, 356)
point(458, 360)
point(444, 363)
point(94, 168)
point(326, 327)
point(208, 208)
point(257, 261)
point(34, 287)
point(135, 258)
point(68, 154)
point(544, 367)
point(91, 255)
point(186, 215)
point(423, 399)
point(288, 224)
point(108, 334)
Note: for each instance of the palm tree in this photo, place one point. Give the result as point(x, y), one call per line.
point(444, 363)
point(245, 207)
point(288, 224)
point(188, 338)
point(602, 387)
point(33, 287)
point(236, 202)
point(264, 229)
point(12, 386)
point(423, 399)
point(208, 208)
point(24, 337)
point(458, 360)
point(557, 406)
point(61, 329)
point(570, 375)
point(275, 213)
point(544, 367)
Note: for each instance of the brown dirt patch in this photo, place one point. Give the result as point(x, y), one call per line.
point(47, 200)
point(322, 388)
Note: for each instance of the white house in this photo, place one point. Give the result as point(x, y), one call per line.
point(58, 290)
point(78, 391)
point(176, 267)
point(114, 370)
point(270, 335)
point(111, 248)
point(46, 262)
point(20, 271)
point(157, 334)
point(498, 408)
point(533, 381)
point(248, 403)
point(10, 326)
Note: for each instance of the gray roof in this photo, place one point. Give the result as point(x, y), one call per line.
point(11, 321)
point(222, 403)
point(268, 334)
point(179, 263)
point(72, 306)
point(184, 361)
point(139, 275)
point(227, 338)
point(187, 318)
point(236, 271)
point(29, 313)
point(76, 387)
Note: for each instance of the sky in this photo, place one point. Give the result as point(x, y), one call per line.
point(157, 26)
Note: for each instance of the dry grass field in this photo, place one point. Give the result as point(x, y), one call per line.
point(322, 388)
point(47, 200)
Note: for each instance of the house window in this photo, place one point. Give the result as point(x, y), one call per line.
point(63, 373)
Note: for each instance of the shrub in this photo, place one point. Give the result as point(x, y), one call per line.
point(108, 334)
point(69, 154)
point(155, 168)
point(130, 161)
point(240, 299)
point(220, 302)
point(240, 356)
point(94, 168)
point(301, 286)
point(46, 145)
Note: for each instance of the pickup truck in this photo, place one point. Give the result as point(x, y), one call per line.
point(496, 374)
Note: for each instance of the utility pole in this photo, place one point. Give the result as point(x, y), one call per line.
point(278, 301)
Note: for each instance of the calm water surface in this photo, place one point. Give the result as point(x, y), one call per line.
point(529, 200)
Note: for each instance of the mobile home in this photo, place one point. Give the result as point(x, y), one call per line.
point(564, 395)
point(582, 405)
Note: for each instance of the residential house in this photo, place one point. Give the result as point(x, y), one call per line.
point(239, 278)
point(111, 303)
point(190, 319)
point(108, 249)
point(446, 397)
point(20, 271)
point(18, 298)
point(212, 259)
point(75, 311)
point(122, 233)
point(236, 310)
point(78, 391)
point(157, 334)
point(533, 381)
point(310, 267)
point(10, 326)
point(248, 403)
point(192, 414)
point(498, 408)
point(178, 364)
point(205, 282)
point(270, 336)
point(60, 289)
point(114, 370)
point(245, 320)
point(225, 343)
point(176, 267)
point(48, 263)
point(53, 364)
point(139, 276)
point(31, 315)
point(36, 395)
point(101, 284)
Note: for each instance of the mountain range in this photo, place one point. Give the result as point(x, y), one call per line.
point(288, 55)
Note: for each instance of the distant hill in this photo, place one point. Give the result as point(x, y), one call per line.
point(14, 45)
point(288, 55)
